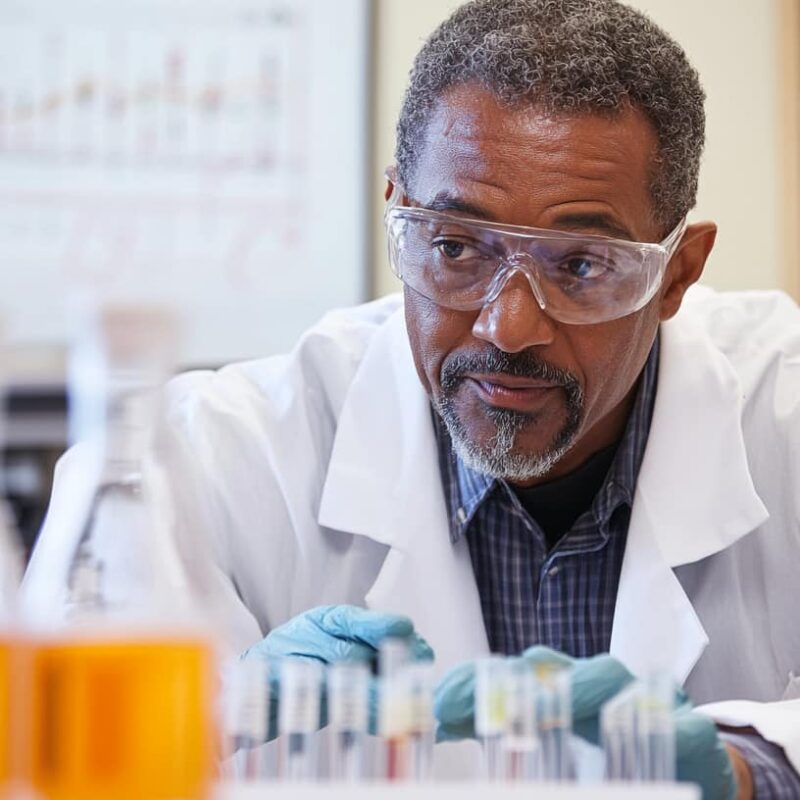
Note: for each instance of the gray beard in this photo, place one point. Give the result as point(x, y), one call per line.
point(499, 457)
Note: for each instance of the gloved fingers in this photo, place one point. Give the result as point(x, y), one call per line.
point(594, 682)
point(454, 704)
point(454, 733)
point(321, 647)
point(539, 654)
point(420, 649)
point(372, 627)
point(702, 757)
point(360, 624)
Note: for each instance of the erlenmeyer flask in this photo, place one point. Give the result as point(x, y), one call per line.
point(124, 682)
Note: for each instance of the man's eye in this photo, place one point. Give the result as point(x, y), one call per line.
point(584, 267)
point(451, 249)
point(458, 250)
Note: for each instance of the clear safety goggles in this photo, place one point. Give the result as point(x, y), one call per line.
point(576, 278)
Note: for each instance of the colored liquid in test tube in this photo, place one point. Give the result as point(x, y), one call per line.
point(298, 722)
point(348, 716)
point(554, 722)
point(521, 747)
point(393, 655)
point(490, 713)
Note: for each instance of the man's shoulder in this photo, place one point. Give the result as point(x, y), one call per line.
point(744, 323)
point(314, 375)
point(758, 335)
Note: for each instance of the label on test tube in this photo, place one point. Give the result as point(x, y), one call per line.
point(490, 697)
point(418, 681)
point(348, 697)
point(248, 698)
point(393, 708)
point(520, 703)
point(300, 696)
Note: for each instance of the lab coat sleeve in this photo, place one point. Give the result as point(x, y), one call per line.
point(777, 722)
point(774, 778)
point(199, 518)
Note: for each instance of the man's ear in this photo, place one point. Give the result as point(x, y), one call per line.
point(389, 189)
point(686, 265)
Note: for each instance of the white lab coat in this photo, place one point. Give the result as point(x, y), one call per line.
point(313, 478)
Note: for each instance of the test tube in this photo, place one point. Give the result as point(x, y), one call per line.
point(617, 730)
point(348, 714)
point(656, 728)
point(417, 682)
point(298, 718)
point(638, 732)
point(520, 744)
point(554, 722)
point(490, 713)
point(247, 711)
point(393, 654)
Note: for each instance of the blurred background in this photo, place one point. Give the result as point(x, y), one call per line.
point(226, 157)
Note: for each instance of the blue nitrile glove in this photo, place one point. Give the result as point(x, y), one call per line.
point(334, 633)
point(701, 755)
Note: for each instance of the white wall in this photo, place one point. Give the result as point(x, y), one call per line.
point(732, 44)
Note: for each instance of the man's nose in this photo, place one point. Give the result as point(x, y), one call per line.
point(514, 321)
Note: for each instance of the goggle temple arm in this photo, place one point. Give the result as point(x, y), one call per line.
point(670, 244)
point(396, 197)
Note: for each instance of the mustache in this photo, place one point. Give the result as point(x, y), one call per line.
point(520, 365)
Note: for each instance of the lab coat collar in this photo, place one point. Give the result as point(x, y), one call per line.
point(694, 497)
point(383, 482)
point(694, 489)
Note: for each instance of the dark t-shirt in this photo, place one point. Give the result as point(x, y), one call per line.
point(556, 505)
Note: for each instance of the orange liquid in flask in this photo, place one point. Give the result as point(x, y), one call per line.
point(123, 720)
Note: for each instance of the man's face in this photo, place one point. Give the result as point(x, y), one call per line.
point(526, 397)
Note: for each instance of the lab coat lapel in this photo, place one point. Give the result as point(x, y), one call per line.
point(694, 497)
point(384, 482)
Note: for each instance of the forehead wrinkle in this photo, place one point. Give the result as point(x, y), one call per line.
point(463, 193)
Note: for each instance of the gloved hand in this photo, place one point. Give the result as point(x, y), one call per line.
point(701, 755)
point(334, 633)
point(338, 633)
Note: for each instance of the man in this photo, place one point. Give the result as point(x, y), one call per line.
point(551, 441)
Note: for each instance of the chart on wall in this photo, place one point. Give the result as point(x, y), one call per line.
point(209, 154)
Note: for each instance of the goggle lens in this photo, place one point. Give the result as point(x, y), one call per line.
point(577, 279)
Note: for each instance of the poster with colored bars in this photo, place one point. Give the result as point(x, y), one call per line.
point(187, 153)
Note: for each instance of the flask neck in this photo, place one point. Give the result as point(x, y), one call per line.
point(127, 436)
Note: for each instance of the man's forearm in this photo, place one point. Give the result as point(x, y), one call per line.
point(761, 768)
point(744, 776)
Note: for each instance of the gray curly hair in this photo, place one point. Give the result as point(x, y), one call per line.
point(590, 56)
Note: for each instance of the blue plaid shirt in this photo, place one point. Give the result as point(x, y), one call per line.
point(565, 598)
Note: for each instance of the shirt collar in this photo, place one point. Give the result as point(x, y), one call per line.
point(466, 489)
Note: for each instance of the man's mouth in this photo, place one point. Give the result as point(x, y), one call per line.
point(517, 393)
